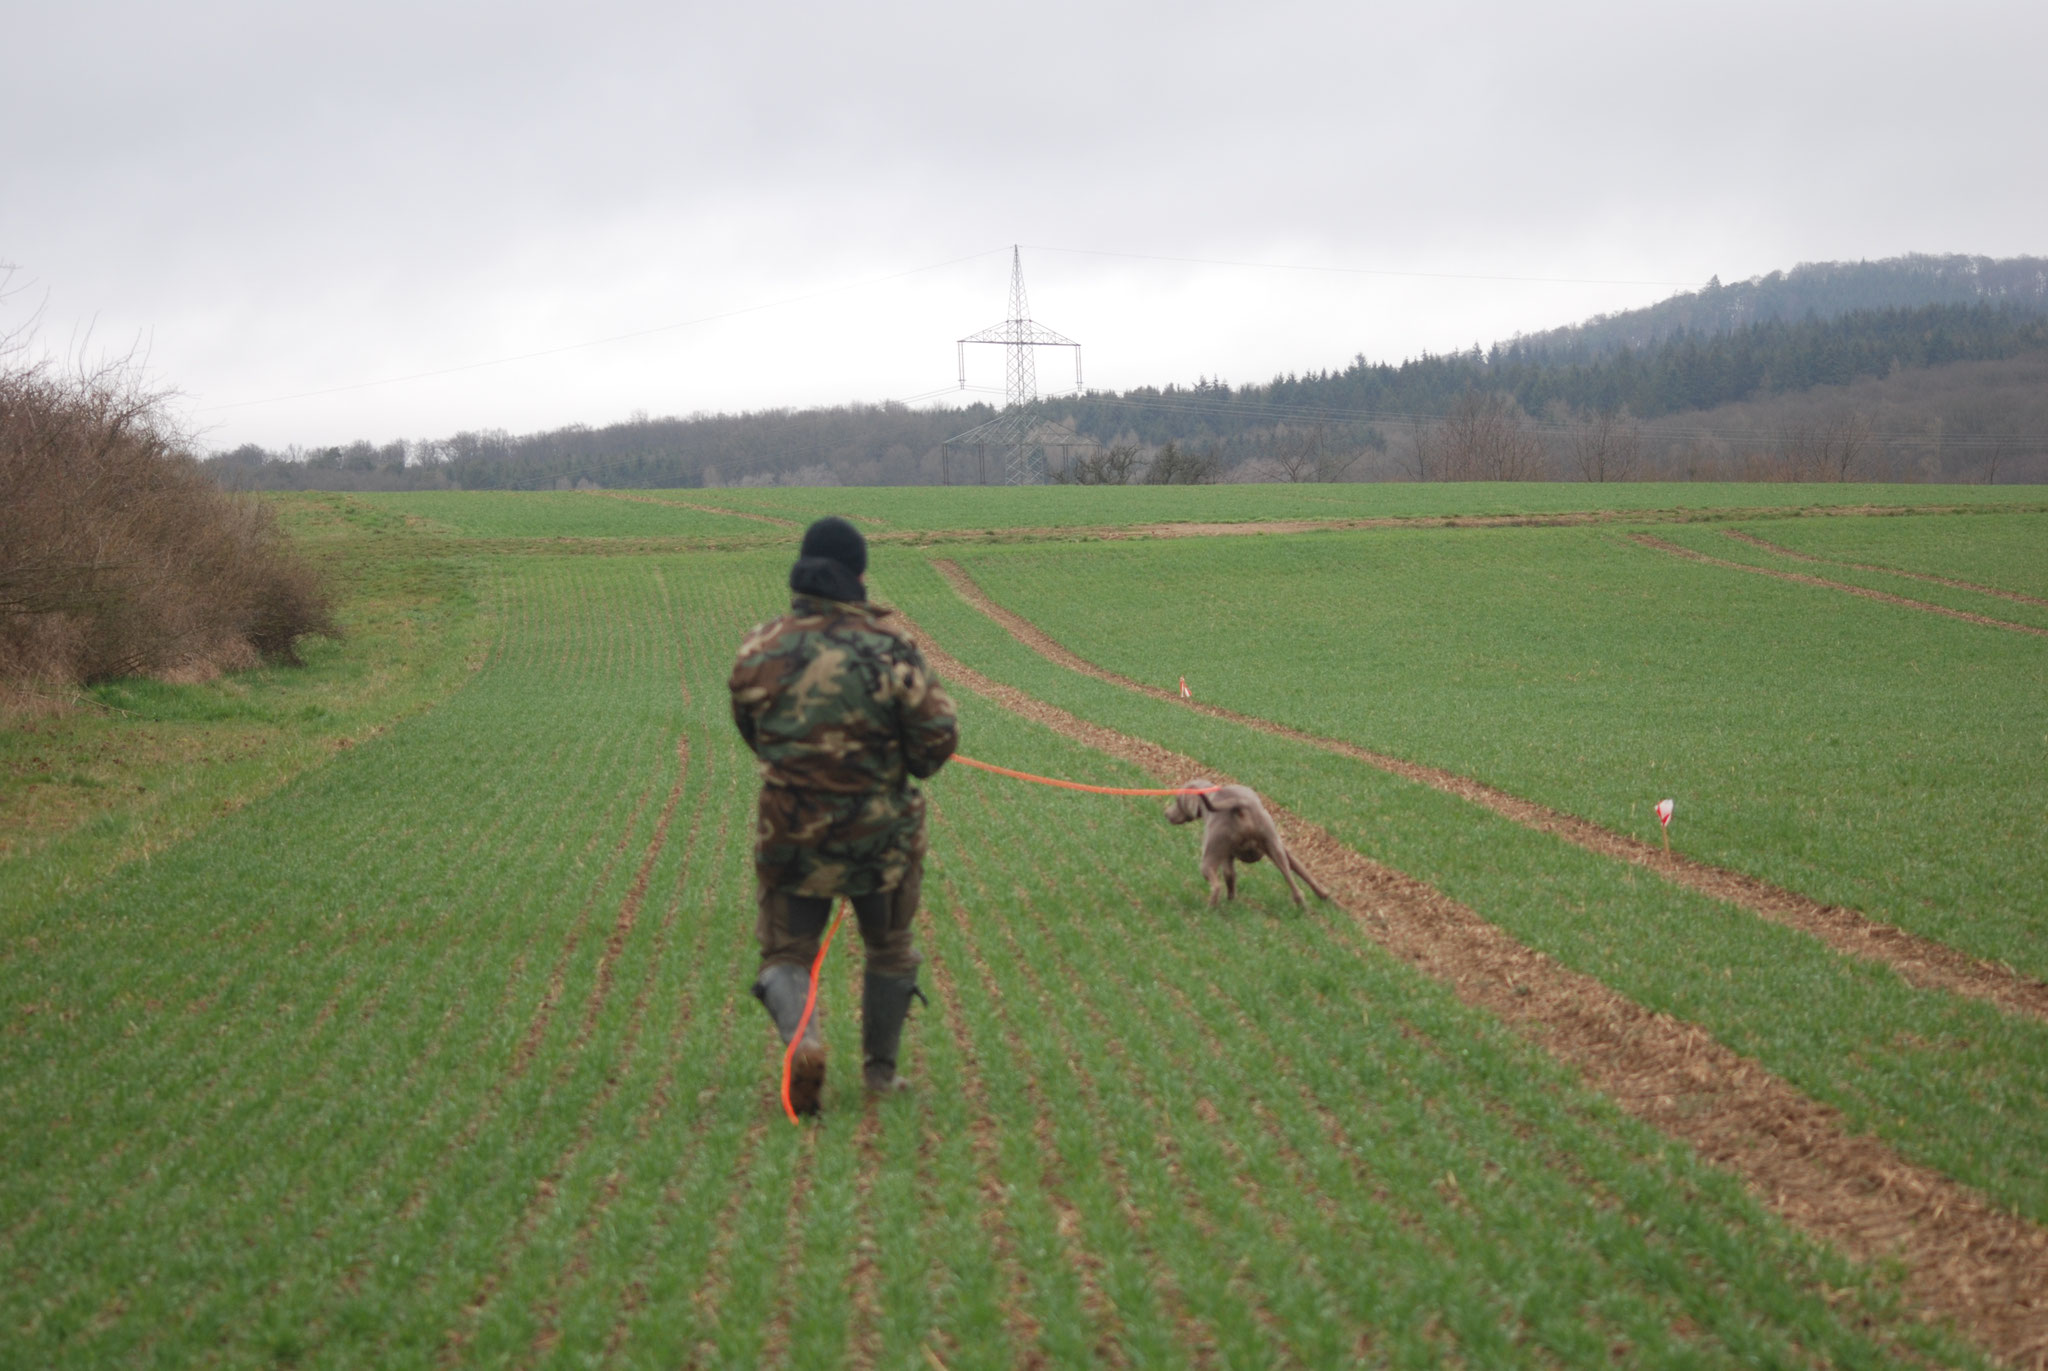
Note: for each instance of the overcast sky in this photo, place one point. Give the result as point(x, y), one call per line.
point(280, 199)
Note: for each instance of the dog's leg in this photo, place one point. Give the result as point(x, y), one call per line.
point(1285, 862)
point(1302, 871)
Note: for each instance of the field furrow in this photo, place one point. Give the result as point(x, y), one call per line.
point(1797, 556)
point(442, 1052)
point(1965, 1258)
point(1799, 578)
point(1920, 961)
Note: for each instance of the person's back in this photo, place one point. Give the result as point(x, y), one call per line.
point(836, 702)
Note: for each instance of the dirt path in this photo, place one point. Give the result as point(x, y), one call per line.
point(1920, 961)
point(1651, 541)
point(1962, 1258)
point(1739, 536)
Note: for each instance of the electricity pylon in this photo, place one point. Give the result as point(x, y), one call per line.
point(1010, 432)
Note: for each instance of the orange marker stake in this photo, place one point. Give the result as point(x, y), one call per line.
point(1664, 808)
point(1185, 693)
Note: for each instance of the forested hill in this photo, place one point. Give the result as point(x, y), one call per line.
point(1813, 336)
point(1812, 290)
point(1686, 371)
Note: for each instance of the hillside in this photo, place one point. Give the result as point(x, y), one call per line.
point(1822, 326)
point(1811, 290)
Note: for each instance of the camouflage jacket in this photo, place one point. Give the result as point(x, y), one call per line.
point(838, 705)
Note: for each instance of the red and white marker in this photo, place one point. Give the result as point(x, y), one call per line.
point(1185, 693)
point(1664, 809)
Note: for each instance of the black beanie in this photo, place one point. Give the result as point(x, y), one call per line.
point(833, 537)
point(831, 561)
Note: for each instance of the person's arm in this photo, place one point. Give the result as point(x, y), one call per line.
point(929, 727)
point(748, 695)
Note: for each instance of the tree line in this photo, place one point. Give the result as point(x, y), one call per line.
point(1326, 425)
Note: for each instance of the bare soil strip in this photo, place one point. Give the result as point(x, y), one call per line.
point(1921, 962)
point(1739, 536)
point(1648, 540)
point(701, 509)
point(1962, 1258)
point(1557, 519)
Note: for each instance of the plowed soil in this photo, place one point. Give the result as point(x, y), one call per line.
point(1920, 961)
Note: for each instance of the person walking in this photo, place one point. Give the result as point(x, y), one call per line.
point(837, 703)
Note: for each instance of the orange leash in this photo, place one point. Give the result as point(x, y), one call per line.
point(810, 1004)
point(1076, 785)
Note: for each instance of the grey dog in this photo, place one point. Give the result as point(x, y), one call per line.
point(1236, 828)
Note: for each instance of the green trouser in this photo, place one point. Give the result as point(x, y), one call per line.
point(789, 926)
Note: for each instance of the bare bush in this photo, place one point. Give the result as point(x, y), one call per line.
point(119, 555)
point(1110, 466)
point(1485, 437)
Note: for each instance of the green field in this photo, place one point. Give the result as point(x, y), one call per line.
point(961, 508)
point(562, 514)
point(435, 1049)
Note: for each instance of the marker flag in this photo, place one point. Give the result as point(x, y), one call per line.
point(1664, 808)
point(1185, 693)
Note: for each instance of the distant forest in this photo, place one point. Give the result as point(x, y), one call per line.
point(1828, 330)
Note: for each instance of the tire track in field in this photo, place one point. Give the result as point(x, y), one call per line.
point(1964, 1258)
point(1800, 578)
point(1741, 537)
point(1921, 962)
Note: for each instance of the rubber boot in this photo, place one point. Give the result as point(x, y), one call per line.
point(884, 1005)
point(782, 990)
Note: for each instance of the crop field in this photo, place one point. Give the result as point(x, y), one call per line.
point(968, 508)
point(422, 1036)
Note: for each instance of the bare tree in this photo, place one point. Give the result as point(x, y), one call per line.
point(1485, 437)
point(1605, 445)
point(1834, 449)
point(1112, 466)
point(1297, 455)
point(1172, 466)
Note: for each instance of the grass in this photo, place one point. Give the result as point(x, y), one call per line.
point(130, 768)
point(1865, 754)
point(436, 1049)
point(959, 508)
point(443, 1054)
point(2008, 553)
point(1950, 1082)
point(561, 514)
